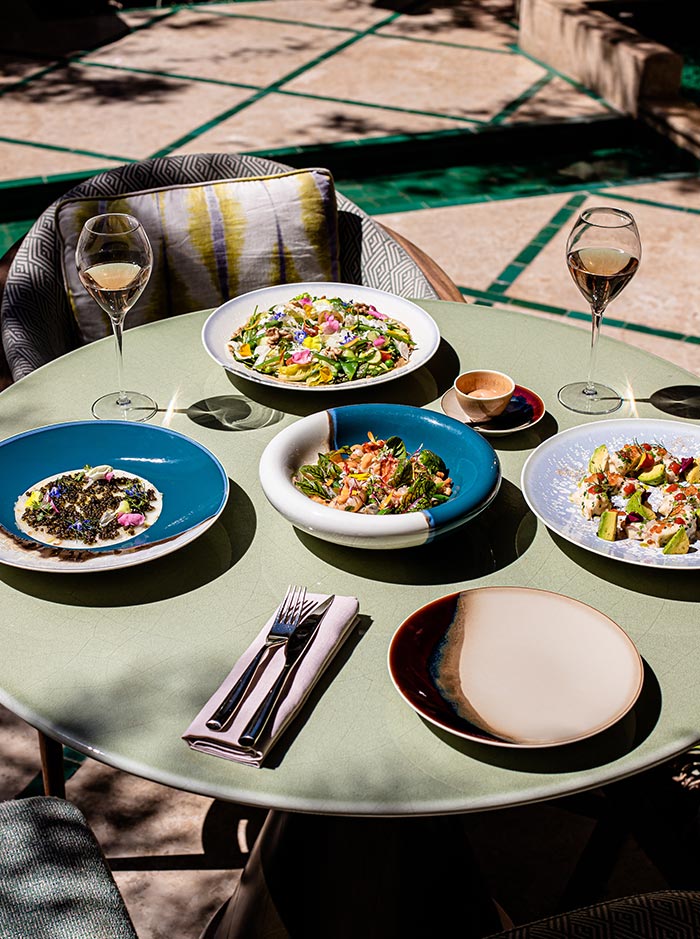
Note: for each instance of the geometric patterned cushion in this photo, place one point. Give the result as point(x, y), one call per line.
point(54, 880)
point(212, 241)
point(37, 321)
point(666, 914)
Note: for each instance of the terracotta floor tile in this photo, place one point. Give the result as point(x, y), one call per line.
point(471, 24)
point(349, 14)
point(664, 294)
point(202, 44)
point(558, 100)
point(286, 120)
point(684, 192)
point(13, 69)
point(19, 754)
point(440, 79)
point(475, 243)
point(19, 161)
point(118, 113)
point(167, 904)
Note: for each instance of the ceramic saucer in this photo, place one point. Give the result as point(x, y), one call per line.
point(524, 410)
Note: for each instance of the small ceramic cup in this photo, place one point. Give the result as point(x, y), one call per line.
point(483, 393)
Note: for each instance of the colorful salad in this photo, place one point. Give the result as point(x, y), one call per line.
point(643, 492)
point(379, 477)
point(321, 341)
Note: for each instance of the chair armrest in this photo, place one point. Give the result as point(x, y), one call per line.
point(443, 285)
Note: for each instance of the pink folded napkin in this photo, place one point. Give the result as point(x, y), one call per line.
point(334, 628)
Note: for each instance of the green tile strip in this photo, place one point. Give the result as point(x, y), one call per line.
point(399, 109)
point(10, 232)
point(72, 761)
point(160, 73)
point(636, 200)
point(509, 275)
point(489, 297)
point(523, 98)
point(570, 81)
point(275, 86)
point(60, 149)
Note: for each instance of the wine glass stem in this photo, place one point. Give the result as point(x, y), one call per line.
point(596, 320)
point(123, 398)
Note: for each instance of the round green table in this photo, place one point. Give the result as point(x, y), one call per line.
point(117, 664)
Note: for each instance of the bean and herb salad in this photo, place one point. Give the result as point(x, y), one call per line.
point(378, 477)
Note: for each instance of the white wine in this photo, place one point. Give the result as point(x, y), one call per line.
point(601, 273)
point(116, 286)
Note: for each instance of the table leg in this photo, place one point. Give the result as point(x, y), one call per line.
point(52, 766)
point(391, 878)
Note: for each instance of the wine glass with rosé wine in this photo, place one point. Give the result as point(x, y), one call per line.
point(114, 260)
point(603, 252)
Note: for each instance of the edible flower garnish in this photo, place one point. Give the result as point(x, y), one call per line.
point(341, 337)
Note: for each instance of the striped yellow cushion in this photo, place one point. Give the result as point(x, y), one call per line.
point(212, 241)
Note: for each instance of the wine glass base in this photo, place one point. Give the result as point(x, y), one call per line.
point(140, 407)
point(577, 397)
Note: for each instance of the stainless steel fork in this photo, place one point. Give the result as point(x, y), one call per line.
point(289, 614)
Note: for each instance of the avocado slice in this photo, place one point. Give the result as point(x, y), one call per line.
point(693, 474)
point(607, 527)
point(678, 544)
point(599, 459)
point(655, 476)
point(636, 506)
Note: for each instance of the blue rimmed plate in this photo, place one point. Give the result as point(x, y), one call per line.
point(552, 472)
point(193, 482)
point(471, 463)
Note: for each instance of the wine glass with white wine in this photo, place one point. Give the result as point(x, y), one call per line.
point(603, 253)
point(114, 260)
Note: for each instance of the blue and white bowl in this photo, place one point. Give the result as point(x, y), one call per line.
point(471, 462)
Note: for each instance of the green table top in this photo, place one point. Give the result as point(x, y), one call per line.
point(117, 664)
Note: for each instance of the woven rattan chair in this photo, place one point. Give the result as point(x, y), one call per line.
point(36, 319)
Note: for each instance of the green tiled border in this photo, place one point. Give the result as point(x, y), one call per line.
point(493, 298)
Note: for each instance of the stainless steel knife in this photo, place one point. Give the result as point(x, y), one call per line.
point(296, 645)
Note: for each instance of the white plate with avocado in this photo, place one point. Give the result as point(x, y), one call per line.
point(626, 512)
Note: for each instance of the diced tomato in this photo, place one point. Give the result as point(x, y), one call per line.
point(675, 467)
point(629, 489)
point(385, 356)
point(646, 446)
point(678, 496)
point(594, 489)
point(672, 487)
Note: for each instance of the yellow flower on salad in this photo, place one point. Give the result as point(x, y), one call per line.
point(325, 375)
point(294, 372)
point(244, 350)
point(34, 500)
point(313, 342)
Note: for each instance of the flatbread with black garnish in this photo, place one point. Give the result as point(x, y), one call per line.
point(91, 507)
